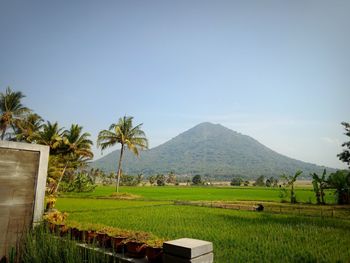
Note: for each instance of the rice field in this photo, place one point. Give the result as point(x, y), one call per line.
point(238, 236)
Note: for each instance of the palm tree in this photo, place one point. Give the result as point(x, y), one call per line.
point(124, 133)
point(51, 135)
point(11, 110)
point(78, 143)
point(27, 128)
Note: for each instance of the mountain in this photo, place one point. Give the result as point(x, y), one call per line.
point(211, 150)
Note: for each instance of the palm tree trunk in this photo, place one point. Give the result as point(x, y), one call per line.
point(119, 167)
point(60, 179)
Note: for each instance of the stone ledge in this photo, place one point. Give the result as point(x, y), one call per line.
point(187, 248)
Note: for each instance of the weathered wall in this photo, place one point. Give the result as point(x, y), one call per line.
point(23, 171)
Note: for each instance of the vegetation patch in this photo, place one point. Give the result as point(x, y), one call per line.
point(125, 196)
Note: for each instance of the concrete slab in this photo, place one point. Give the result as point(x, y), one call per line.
point(207, 258)
point(187, 247)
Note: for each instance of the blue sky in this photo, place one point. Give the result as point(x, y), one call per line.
point(278, 71)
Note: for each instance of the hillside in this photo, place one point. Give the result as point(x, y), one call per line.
point(211, 150)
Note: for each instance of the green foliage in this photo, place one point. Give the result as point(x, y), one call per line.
point(81, 183)
point(260, 181)
point(319, 183)
point(40, 246)
point(345, 155)
point(197, 179)
point(340, 180)
point(130, 180)
point(11, 111)
point(160, 179)
point(171, 179)
point(152, 179)
point(236, 181)
point(290, 182)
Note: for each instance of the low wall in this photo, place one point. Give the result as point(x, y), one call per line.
point(23, 172)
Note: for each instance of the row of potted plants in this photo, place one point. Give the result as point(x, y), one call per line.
point(134, 244)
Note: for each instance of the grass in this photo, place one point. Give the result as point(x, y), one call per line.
point(40, 246)
point(238, 236)
point(209, 193)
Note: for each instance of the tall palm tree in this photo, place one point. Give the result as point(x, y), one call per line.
point(124, 133)
point(27, 128)
point(51, 135)
point(74, 152)
point(11, 109)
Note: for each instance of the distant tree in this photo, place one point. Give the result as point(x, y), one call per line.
point(340, 181)
point(160, 179)
point(290, 182)
point(260, 181)
point(236, 181)
point(197, 179)
point(126, 134)
point(319, 184)
point(345, 155)
point(11, 110)
point(139, 178)
point(246, 183)
point(171, 179)
point(268, 183)
point(152, 179)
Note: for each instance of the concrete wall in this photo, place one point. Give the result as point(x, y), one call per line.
point(23, 172)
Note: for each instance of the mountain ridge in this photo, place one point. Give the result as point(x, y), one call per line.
point(211, 150)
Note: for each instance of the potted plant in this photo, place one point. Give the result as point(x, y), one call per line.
point(136, 244)
point(118, 238)
point(154, 250)
point(50, 202)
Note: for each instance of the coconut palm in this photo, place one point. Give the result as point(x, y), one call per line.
point(11, 110)
point(50, 135)
point(27, 128)
point(124, 133)
point(77, 143)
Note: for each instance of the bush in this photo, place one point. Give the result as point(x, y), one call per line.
point(236, 181)
point(340, 180)
point(197, 179)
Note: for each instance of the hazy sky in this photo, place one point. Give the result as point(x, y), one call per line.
point(278, 71)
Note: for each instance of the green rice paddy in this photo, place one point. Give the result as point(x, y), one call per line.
point(238, 236)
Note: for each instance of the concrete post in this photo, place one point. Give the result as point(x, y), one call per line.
point(187, 250)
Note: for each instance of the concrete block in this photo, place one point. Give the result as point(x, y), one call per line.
point(206, 258)
point(187, 248)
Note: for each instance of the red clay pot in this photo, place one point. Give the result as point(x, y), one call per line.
point(103, 240)
point(136, 249)
point(117, 243)
point(154, 254)
point(90, 236)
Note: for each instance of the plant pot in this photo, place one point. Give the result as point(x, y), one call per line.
point(103, 240)
point(63, 230)
point(117, 244)
point(89, 236)
point(51, 226)
point(136, 249)
point(154, 254)
point(76, 234)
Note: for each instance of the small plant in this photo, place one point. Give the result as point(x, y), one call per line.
point(56, 217)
